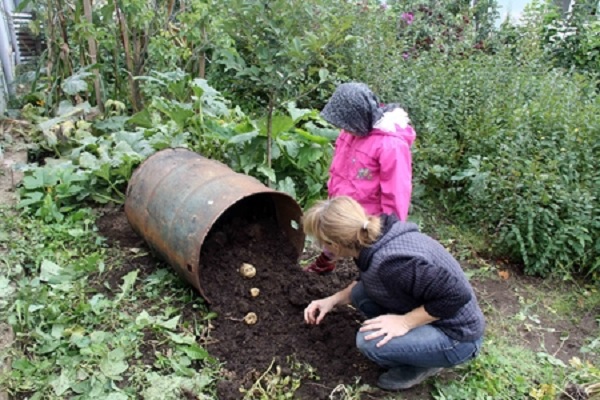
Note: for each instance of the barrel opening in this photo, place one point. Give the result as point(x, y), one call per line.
point(245, 217)
point(249, 222)
point(184, 204)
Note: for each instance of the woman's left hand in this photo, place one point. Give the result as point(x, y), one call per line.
point(389, 326)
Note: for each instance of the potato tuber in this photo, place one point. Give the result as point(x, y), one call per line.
point(254, 292)
point(251, 318)
point(247, 270)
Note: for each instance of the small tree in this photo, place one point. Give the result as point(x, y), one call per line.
point(280, 50)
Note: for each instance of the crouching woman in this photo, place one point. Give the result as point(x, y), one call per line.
point(421, 312)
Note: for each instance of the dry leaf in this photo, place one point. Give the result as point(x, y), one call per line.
point(504, 274)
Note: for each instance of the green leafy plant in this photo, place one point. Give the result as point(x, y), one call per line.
point(53, 191)
point(91, 167)
point(280, 52)
point(503, 150)
point(274, 384)
point(79, 338)
point(300, 148)
point(300, 143)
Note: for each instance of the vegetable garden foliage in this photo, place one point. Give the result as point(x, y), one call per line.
point(506, 142)
point(94, 161)
point(510, 149)
point(72, 344)
point(507, 124)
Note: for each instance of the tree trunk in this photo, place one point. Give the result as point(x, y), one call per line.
point(202, 60)
point(269, 133)
point(87, 9)
point(136, 102)
point(170, 9)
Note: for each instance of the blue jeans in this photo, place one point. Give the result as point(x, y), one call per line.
point(420, 349)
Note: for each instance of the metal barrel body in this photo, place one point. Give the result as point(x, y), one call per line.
point(175, 196)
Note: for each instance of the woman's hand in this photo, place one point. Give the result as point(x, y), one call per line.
point(389, 326)
point(317, 309)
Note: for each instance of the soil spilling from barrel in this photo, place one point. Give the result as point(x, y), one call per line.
point(321, 356)
point(280, 344)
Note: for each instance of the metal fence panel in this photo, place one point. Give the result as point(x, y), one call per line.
point(3, 92)
point(7, 55)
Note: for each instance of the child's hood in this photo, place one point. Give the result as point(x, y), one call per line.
point(395, 122)
point(354, 108)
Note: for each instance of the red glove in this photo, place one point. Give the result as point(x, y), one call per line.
point(322, 265)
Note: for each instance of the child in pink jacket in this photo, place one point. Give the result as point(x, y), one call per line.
point(372, 160)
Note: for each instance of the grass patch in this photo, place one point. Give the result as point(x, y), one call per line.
point(88, 324)
point(502, 371)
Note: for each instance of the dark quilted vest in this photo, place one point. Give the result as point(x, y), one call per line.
point(403, 241)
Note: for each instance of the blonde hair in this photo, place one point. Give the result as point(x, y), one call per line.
point(342, 221)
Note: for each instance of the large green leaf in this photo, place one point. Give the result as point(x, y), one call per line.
point(142, 118)
point(287, 186)
point(50, 272)
point(76, 83)
point(298, 113)
point(178, 112)
point(279, 124)
point(243, 137)
point(114, 364)
point(62, 383)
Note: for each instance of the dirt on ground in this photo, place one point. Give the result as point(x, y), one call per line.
point(280, 333)
point(280, 342)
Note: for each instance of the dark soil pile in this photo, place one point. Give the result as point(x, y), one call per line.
point(280, 333)
point(280, 339)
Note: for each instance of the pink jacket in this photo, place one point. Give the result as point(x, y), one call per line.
point(376, 170)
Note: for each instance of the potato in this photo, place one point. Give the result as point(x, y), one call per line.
point(251, 318)
point(254, 292)
point(247, 270)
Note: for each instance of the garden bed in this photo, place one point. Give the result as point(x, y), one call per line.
point(259, 357)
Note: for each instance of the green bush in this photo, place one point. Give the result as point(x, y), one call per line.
point(574, 41)
point(510, 149)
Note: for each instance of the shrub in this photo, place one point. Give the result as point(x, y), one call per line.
point(510, 149)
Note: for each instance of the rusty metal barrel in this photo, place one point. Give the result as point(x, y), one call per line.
point(175, 196)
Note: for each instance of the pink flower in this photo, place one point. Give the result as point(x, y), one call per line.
point(408, 17)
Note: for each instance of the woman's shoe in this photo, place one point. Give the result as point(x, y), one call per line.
point(404, 378)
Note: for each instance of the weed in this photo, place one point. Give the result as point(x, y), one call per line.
point(275, 384)
point(349, 392)
point(75, 338)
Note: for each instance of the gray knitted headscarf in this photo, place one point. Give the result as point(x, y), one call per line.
point(354, 108)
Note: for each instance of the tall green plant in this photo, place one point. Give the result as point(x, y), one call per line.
point(300, 146)
point(510, 149)
point(281, 51)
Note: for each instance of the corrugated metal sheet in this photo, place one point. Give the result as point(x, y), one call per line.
point(29, 45)
point(7, 60)
point(18, 45)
